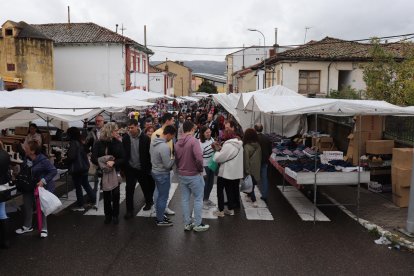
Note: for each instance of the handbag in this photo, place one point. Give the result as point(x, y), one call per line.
point(246, 184)
point(110, 178)
point(81, 164)
point(49, 203)
point(23, 181)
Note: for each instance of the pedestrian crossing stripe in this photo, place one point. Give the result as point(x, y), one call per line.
point(152, 213)
point(261, 212)
point(100, 210)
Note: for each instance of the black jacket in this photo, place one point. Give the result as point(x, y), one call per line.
point(144, 152)
point(115, 149)
point(266, 146)
point(4, 167)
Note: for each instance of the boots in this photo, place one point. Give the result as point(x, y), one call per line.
point(4, 241)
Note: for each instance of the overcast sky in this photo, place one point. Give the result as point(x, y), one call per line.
point(223, 23)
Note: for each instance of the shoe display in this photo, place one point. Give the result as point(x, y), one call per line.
point(164, 223)
point(24, 230)
point(201, 228)
point(43, 234)
point(188, 227)
point(169, 212)
point(128, 215)
point(218, 213)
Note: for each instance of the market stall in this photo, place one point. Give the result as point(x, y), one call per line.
point(327, 168)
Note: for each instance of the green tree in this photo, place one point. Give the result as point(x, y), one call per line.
point(207, 87)
point(345, 93)
point(388, 77)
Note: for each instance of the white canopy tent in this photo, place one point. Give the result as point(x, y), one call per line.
point(235, 103)
point(141, 95)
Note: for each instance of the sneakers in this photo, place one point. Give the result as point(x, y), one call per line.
point(24, 230)
point(201, 228)
point(78, 209)
point(43, 234)
point(165, 222)
point(255, 205)
point(188, 227)
point(218, 213)
point(169, 212)
point(207, 204)
point(228, 212)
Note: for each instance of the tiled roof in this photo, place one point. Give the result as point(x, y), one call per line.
point(64, 33)
point(330, 49)
point(27, 31)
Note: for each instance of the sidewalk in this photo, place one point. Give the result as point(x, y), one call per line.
point(377, 210)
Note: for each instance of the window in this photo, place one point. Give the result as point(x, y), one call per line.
point(138, 63)
point(309, 81)
point(131, 68)
point(144, 65)
point(9, 32)
point(11, 67)
point(257, 58)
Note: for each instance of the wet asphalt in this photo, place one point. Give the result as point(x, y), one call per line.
point(83, 245)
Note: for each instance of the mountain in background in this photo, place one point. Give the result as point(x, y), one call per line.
point(202, 66)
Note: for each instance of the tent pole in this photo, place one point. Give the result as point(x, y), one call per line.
point(359, 165)
point(283, 127)
point(314, 182)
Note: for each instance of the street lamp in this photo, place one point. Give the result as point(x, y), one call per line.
point(264, 59)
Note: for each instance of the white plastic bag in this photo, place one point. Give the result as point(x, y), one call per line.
point(48, 201)
point(246, 184)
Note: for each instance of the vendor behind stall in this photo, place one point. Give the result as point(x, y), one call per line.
point(33, 135)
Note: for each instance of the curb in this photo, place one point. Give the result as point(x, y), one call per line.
point(370, 226)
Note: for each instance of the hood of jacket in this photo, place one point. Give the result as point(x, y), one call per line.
point(235, 142)
point(157, 141)
point(183, 140)
point(254, 146)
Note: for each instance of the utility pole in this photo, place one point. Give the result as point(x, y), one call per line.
point(306, 31)
point(148, 65)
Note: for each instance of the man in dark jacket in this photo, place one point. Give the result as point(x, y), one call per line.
point(266, 146)
point(137, 167)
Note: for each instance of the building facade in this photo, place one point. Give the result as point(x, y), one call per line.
point(26, 57)
point(161, 81)
point(218, 81)
point(183, 76)
point(89, 57)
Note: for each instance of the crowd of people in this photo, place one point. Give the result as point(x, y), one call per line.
point(146, 150)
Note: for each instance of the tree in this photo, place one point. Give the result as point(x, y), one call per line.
point(207, 87)
point(345, 93)
point(388, 78)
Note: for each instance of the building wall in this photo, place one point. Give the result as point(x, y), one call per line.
point(289, 74)
point(182, 80)
point(247, 83)
point(157, 82)
point(95, 68)
point(229, 73)
point(32, 59)
point(136, 69)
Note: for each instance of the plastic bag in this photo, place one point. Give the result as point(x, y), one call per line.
point(246, 184)
point(212, 165)
point(48, 201)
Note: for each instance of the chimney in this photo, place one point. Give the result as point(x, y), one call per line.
point(272, 52)
point(69, 17)
point(116, 28)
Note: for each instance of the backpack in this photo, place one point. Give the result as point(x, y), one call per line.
point(23, 181)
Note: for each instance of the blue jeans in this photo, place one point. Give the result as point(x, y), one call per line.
point(79, 181)
point(264, 180)
point(163, 184)
point(3, 214)
point(209, 181)
point(192, 185)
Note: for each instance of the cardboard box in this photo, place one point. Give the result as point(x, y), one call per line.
point(379, 146)
point(401, 176)
point(402, 157)
point(357, 144)
point(21, 130)
point(369, 123)
point(401, 201)
point(399, 190)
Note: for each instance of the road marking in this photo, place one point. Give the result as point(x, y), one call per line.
point(302, 205)
point(152, 212)
point(208, 214)
point(261, 212)
point(100, 211)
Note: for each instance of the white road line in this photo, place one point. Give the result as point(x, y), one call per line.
point(100, 211)
point(151, 212)
point(261, 212)
point(302, 205)
point(208, 214)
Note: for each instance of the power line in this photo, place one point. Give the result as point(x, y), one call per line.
point(291, 45)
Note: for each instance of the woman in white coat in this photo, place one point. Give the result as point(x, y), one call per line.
point(230, 158)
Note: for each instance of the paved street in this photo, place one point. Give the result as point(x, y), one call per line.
point(82, 244)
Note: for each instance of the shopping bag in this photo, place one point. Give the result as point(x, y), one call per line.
point(48, 201)
point(212, 165)
point(246, 184)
